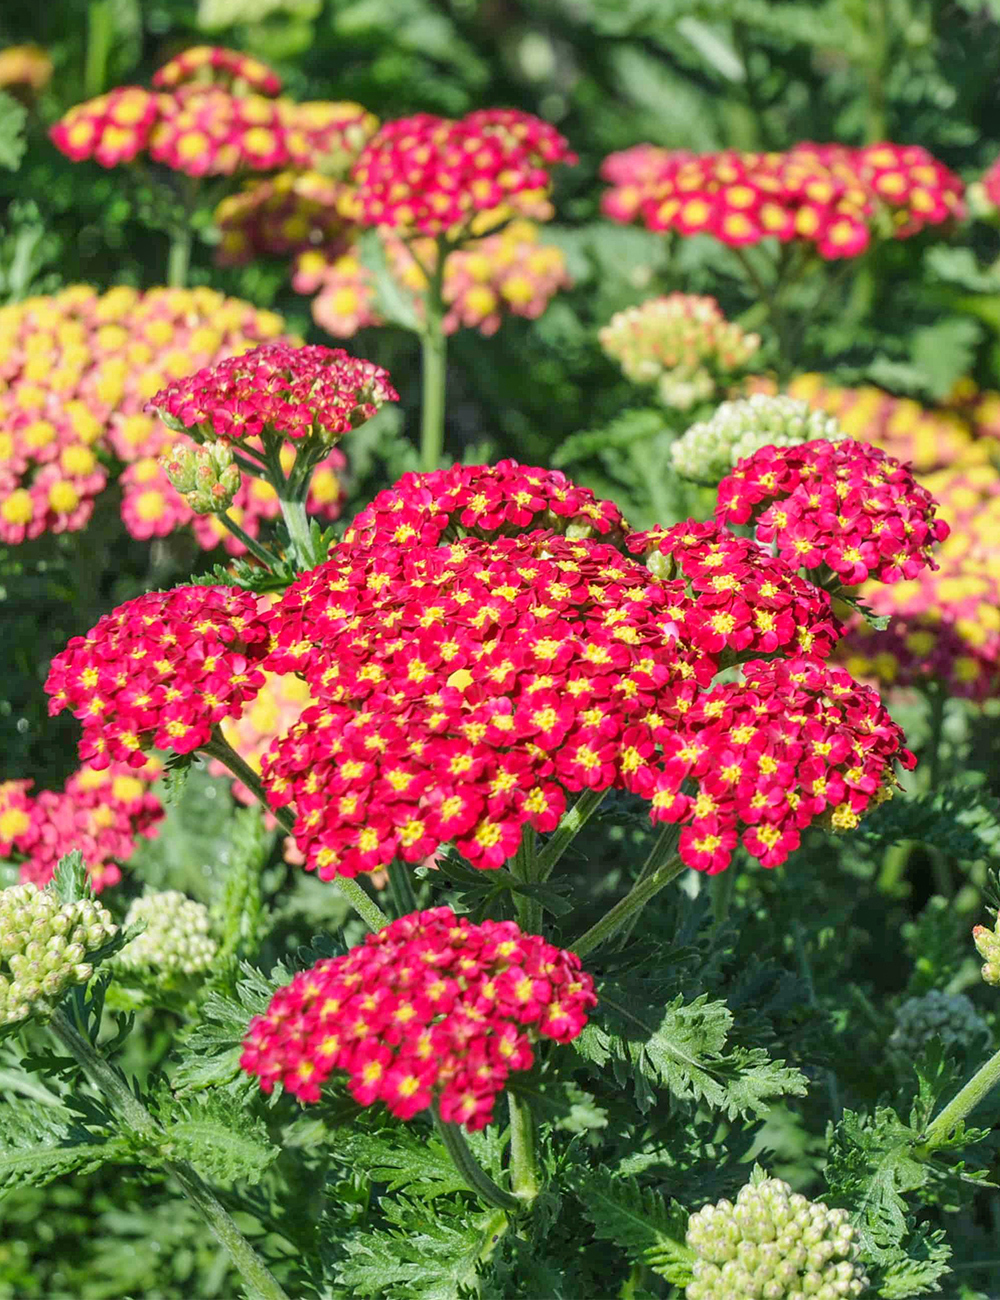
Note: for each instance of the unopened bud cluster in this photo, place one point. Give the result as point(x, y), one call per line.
point(682, 343)
point(775, 1244)
point(948, 1016)
point(988, 946)
point(44, 946)
point(208, 478)
point(710, 449)
point(177, 939)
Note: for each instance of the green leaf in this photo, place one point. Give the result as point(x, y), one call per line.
point(638, 1220)
point(39, 1142)
point(626, 429)
point(403, 1161)
point(918, 1271)
point(945, 351)
point(13, 142)
point(962, 823)
point(213, 1045)
point(70, 881)
point(394, 304)
point(219, 1136)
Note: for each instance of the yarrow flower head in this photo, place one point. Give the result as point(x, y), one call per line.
point(483, 501)
point(773, 1242)
point(100, 812)
point(951, 1017)
point(161, 670)
point(709, 450)
point(44, 946)
point(277, 390)
point(682, 343)
point(287, 214)
point(25, 68)
point(830, 196)
point(215, 65)
point(177, 939)
point(846, 505)
point(432, 176)
point(431, 1009)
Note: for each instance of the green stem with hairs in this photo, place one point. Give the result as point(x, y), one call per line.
point(218, 747)
point(434, 367)
point(255, 549)
point(573, 820)
point(469, 1167)
point(525, 1181)
point(636, 899)
point(260, 1281)
point(979, 1086)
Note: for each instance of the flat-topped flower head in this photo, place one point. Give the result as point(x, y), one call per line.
point(281, 216)
point(846, 505)
point(433, 1009)
point(483, 501)
point(795, 742)
point(773, 1242)
point(462, 690)
point(680, 342)
point(112, 129)
point(433, 176)
point(710, 449)
point(217, 66)
point(44, 946)
point(746, 601)
point(277, 391)
point(160, 671)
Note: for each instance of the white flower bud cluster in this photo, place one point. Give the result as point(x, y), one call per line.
point(44, 946)
point(948, 1016)
point(177, 939)
point(710, 449)
point(773, 1244)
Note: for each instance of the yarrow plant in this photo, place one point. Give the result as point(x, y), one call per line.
point(177, 938)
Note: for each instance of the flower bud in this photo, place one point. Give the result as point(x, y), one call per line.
point(988, 946)
point(208, 477)
point(772, 1244)
point(177, 939)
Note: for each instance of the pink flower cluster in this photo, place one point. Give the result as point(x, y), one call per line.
point(482, 501)
point(100, 811)
point(160, 671)
point(277, 389)
point(846, 505)
point(830, 196)
point(432, 176)
point(76, 370)
point(208, 119)
point(431, 1009)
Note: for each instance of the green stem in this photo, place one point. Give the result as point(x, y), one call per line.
point(179, 257)
point(524, 1178)
point(259, 1279)
point(434, 368)
point(401, 884)
point(299, 530)
point(475, 1176)
point(524, 867)
point(100, 39)
point(255, 549)
point(663, 848)
point(936, 699)
point(573, 820)
point(982, 1082)
point(218, 747)
point(636, 899)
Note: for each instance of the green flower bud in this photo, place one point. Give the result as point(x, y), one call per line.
point(177, 939)
point(775, 1245)
point(948, 1016)
point(710, 449)
point(206, 477)
point(988, 946)
point(40, 954)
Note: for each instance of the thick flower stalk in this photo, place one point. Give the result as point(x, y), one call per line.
point(682, 343)
point(710, 449)
point(775, 1243)
point(161, 670)
point(44, 945)
point(483, 501)
point(100, 811)
point(844, 505)
point(431, 1010)
point(951, 1017)
point(831, 198)
point(177, 939)
point(78, 369)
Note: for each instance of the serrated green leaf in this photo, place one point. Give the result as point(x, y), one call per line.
point(70, 880)
point(945, 351)
point(218, 1135)
point(391, 300)
point(12, 138)
point(639, 1221)
point(39, 1142)
point(625, 430)
point(404, 1162)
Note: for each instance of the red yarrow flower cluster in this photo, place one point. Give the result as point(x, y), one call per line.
point(277, 389)
point(794, 742)
point(846, 505)
point(744, 600)
point(433, 176)
point(286, 214)
point(218, 66)
point(101, 812)
point(482, 501)
point(830, 196)
point(431, 1009)
point(160, 671)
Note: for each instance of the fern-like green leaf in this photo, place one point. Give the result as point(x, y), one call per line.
point(625, 430)
point(639, 1221)
point(219, 1136)
point(39, 1142)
